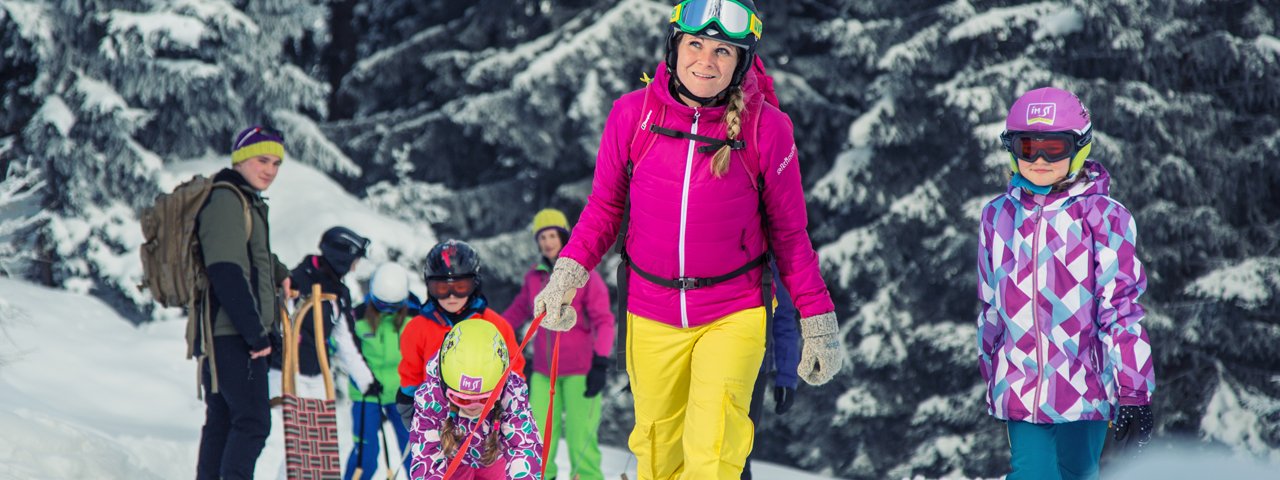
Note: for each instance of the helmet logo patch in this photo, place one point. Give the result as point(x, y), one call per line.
point(1041, 113)
point(471, 384)
point(448, 254)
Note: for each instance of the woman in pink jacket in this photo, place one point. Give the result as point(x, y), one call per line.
point(584, 355)
point(695, 160)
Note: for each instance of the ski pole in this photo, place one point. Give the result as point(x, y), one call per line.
point(403, 456)
point(385, 449)
point(359, 474)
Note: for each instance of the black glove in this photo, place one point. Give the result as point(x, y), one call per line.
point(783, 397)
point(404, 405)
point(375, 389)
point(598, 376)
point(1133, 425)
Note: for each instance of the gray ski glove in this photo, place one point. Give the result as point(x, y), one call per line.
point(822, 353)
point(557, 297)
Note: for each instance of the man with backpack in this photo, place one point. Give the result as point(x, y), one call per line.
point(240, 307)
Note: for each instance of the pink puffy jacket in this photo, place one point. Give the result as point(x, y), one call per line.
point(685, 222)
point(592, 335)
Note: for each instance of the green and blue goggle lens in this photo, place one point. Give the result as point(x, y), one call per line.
point(735, 20)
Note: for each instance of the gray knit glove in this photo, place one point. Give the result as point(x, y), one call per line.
point(557, 297)
point(823, 351)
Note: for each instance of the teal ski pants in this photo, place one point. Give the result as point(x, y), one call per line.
point(1066, 451)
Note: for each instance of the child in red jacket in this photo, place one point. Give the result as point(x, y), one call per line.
point(453, 295)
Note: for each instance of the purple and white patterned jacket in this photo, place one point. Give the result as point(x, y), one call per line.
point(1059, 279)
point(520, 443)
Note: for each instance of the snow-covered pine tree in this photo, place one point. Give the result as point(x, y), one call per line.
point(1181, 97)
point(118, 90)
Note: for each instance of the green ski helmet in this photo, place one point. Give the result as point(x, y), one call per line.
point(473, 357)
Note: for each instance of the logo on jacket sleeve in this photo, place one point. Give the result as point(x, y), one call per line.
point(1041, 113)
point(787, 161)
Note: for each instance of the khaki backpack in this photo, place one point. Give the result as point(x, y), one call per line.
point(172, 262)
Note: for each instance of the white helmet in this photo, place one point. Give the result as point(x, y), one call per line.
point(390, 283)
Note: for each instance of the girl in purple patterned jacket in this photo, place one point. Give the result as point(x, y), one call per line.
point(1061, 346)
point(446, 409)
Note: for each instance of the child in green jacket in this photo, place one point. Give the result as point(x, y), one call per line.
point(380, 319)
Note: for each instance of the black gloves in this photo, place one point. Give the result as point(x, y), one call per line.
point(375, 389)
point(404, 405)
point(783, 397)
point(597, 377)
point(1133, 425)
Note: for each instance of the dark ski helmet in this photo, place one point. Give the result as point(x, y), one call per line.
point(451, 259)
point(736, 22)
point(341, 246)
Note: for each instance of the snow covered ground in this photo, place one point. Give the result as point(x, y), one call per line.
point(86, 395)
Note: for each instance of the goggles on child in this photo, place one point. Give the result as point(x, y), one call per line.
point(382, 306)
point(1053, 146)
point(442, 287)
point(734, 19)
point(464, 400)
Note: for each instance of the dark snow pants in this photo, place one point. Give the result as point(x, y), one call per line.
point(238, 417)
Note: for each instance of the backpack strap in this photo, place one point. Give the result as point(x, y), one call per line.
point(752, 161)
point(642, 141)
point(244, 204)
point(712, 143)
point(205, 326)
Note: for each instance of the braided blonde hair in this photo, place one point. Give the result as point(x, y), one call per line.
point(451, 439)
point(732, 117)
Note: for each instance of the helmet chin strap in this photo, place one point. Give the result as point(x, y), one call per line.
point(704, 101)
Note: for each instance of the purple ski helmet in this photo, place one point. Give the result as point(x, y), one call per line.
point(1050, 109)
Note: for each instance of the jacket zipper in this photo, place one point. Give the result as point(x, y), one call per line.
point(684, 216)
point(1035, 302)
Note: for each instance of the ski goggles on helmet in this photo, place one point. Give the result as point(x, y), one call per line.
point(442, 287)
point(464, 400)
point(734, 19)
point(1053, 146)
point(384, 307)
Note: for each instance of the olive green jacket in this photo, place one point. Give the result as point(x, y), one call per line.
point(243, 273)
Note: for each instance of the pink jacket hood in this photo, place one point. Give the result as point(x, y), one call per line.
point(685, 222)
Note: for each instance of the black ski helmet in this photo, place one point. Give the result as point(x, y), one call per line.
point(747, 44)
point(341, 246)
point(452, 259)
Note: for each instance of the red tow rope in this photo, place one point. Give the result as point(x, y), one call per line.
point(547, 438)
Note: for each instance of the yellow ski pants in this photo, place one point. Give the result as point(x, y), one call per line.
point(692, 390)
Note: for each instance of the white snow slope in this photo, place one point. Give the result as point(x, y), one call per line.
point(86, 395)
